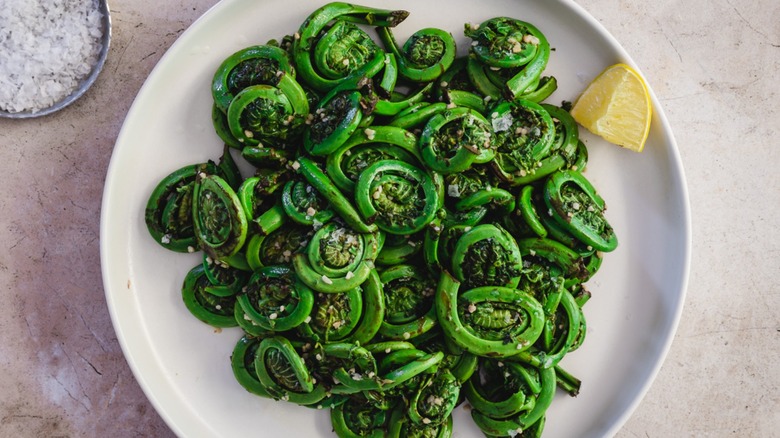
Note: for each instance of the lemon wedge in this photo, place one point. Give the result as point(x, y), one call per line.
point(616, 106)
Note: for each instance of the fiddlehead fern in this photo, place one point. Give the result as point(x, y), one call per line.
point(501, 42)
point(409, 293)
point(333, 122)
point(456, 78)
point(398, 101)
point(222, 129)
point(562, 331)
point(219, 219)
point(401, 427)
point(359, 418)
point(502, 388)
point(398, 197)
point(308, 44)
point(486, 255)
point(242, 362)
point(425, 56)
point(551, 259)
point(527, 210)
point(335, 250)
point(338, 202)
point(577, 207)
point(453, 140)
point(352, 369)
point(334, 316)
point(168, 213)
point(275, 300)
point(504, 42)
point(434, 399)
point(256, 65)
point(489, 321)
point(567, 133)
point(278, 247)
point(457, 361)
point(417, 114)
point(214, 310)
point(303, 203)
point(563, 150)
point(400, 249)
point(549, 270)
point(494, 198)
point(355, 369)
point(337, 259)
point(258, 197)
point(265, 156)
point(538, 385)
point(265, 114)
point(524, 134)
point(403, 366)
point(246, 323)
point(284, 374)
point(225, 280)
point(354, 316)
point(367, 146)
point(342, 49)
point(470, 186)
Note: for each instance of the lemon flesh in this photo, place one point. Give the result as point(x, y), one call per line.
point(616, 106)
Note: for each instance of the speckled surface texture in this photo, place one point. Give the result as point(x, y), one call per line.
point(713, 65)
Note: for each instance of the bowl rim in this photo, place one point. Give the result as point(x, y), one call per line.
point(178, 417)
point(85, 83)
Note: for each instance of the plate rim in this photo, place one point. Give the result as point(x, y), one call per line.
point(128, 342)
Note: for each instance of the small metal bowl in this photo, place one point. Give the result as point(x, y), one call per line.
point(85, 83)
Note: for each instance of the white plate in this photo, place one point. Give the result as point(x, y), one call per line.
point(183, 365)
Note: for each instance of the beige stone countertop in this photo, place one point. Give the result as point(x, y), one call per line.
point(714, 67)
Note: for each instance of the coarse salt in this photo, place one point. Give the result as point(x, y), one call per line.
point(46, 50)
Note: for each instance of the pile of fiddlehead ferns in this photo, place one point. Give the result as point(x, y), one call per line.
point(416, 232)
